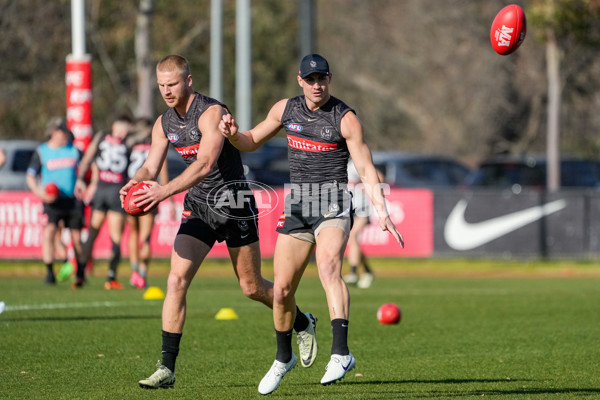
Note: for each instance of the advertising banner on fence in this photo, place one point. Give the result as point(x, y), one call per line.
point(502, 224)
point(21, 225)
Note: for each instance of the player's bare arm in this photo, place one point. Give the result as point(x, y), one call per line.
point(361, 156)
point(92, 186)
point(36, 189)
point(254, 138)
point(149, 171)
point(85, 164)
point(208, 153)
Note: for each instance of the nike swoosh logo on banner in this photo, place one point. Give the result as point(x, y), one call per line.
point(461, 235)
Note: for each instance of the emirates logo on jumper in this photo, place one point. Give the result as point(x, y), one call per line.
point(310, 145)
point(189, 151)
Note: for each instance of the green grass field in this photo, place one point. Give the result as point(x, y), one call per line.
point(469, 331)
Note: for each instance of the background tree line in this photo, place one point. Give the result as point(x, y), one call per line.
point(421, 74)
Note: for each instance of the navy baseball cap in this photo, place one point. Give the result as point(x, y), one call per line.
point(313, 63)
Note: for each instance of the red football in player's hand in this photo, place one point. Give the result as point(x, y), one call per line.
point(128, 203)
point(508, 29)
point(52, 190)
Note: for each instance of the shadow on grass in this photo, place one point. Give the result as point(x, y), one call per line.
point(526, 391)
point(534, 391)
point(444, 381)
point(80, 318)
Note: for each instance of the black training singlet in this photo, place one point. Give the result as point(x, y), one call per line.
point(317, 151)
point(185, 136)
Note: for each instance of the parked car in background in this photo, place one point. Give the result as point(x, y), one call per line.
point(516, 173)
point(412, 170)
point(269, 163)
point(18, 154)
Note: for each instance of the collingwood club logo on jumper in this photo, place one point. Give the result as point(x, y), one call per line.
point(224, 200)
point(462, 235)
point(327, 132)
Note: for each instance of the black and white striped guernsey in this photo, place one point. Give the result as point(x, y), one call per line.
point(317, 151)
point(185, 136)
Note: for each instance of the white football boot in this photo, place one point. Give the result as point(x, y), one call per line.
point(307, 342)
point(351, 278)
point(365, 280)
point(273, 378)
point(163, 378)
point(337, 367)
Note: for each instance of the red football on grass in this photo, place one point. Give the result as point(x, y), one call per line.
point(52, 190)
point(389, 314)
point(128, 203)
point(508, 29)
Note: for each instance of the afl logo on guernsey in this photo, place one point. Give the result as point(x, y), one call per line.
point(294, 127)
point(173, 137)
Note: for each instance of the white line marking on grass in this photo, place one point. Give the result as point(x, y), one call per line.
point(62, 306)
point(456, 291)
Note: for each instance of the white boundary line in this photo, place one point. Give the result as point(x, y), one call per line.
point(62, 306)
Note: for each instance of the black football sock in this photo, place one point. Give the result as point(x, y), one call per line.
point(114, 262)
point(367, 269)
point(353, 269)
point(80, 270)
point(49, 269)
point(170, 349)
point(339, 345)
point(284, 346)
point(301, 321)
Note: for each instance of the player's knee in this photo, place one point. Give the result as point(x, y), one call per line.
point(329, 270)
point(281, 293)
point(177, 283)
point(255, 289)
point(251, 290)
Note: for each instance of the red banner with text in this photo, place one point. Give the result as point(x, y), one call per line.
point(78, 79)
point(22, 221)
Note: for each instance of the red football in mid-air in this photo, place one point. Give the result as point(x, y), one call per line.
point(389, 314)
point(128, 203)
point(508, 29)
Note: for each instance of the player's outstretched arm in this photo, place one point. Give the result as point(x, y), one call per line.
point(361, 156)
point(209, 151)
point(85, 164)
point(149, 171)
point(254, 138)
